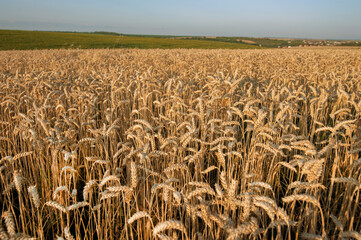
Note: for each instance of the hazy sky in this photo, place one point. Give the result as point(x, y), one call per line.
point(332, 19)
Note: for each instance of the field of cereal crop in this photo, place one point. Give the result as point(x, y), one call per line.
point(29, 40)
point(180, 144)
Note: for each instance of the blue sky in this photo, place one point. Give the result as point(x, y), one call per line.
point(331, 19)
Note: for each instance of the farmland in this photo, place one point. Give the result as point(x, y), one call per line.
point(29, 40)
point(180, 144)
point(34, 40)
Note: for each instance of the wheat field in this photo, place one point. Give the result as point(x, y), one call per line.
point(180, 144)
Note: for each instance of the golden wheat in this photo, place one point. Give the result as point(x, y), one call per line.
point(180, 144)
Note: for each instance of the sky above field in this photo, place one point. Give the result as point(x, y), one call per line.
point(330, 19)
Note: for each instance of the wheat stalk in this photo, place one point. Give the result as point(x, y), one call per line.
point(56, 205)
point(170, 224)
point(9, 222)
point(137, 216)
point(34, 195)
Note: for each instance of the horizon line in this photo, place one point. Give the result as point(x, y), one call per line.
point(185, 35)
